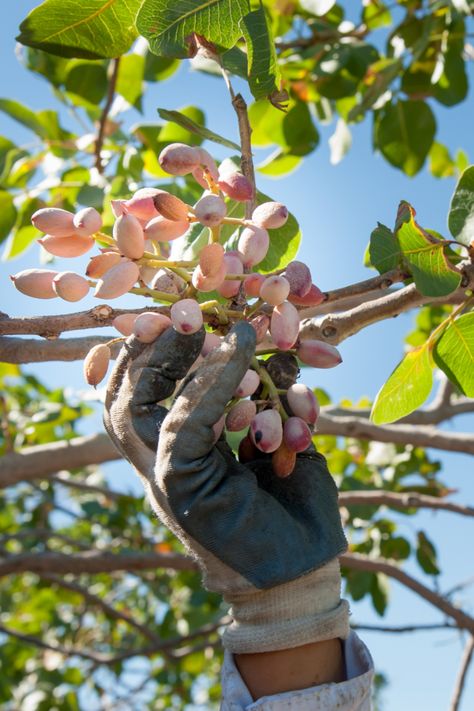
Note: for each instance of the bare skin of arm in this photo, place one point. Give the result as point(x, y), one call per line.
point(270, 673)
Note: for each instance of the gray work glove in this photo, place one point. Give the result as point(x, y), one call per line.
point(268, 545)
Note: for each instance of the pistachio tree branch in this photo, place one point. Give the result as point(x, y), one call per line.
point(102, 562)
point(420, 436)
point(42, 460)
point(91, 562)
point(245, 132)
point(53, 326)
point(31, 350)
point(431, 415)
point(357, 561)
point(461, 679)
point(403, 628)
point(397, 500)
point(336, 327)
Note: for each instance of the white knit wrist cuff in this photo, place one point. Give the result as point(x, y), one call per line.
point(305, 610)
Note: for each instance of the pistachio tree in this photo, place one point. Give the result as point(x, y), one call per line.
point(100, 604)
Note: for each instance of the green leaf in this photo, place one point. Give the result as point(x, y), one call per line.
point(7, 214)
point(189, 125)
point(379, 593)
point(92, 30)
point(284, 242)
point(47, 65)
point(359, 583)
point(263, 71)
point(24, 233)
point(454, 353)
point(169, 25)
point(378, 78)
point(441, 163)
point(426, 554)
point(342, 68)
point(279, 163)
point(462, 161)
point(395, 547)
point(22, 115)
point(452, 86)
point(192, 242)
point(317, 7)
point(404, 133)
point(173, 132)
point(86, 79)
point(461, 211)
point(376, 14)
point(424, 255)
point(384, 250)
point(263, 122)
point(6, 148)
point(130, 79)
point(406, 389)
point(294, 131)
point(159, 68)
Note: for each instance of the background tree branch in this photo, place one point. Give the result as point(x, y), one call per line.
point(357, 561)
point(461, 680)
point(92, 562)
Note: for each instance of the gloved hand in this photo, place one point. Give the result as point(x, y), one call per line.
point(268, 545)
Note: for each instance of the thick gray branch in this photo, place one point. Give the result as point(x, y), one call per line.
point(356, 561)
point(335, 328)
point(43, 460)
point(431, 415)
point(53, 326)
point(32, 350)
point(92, 562)
point(407, 500)
point(422, 436)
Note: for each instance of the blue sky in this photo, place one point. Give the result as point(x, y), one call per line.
point(337, 208)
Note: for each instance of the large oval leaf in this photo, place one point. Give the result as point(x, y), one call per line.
point(461, 213)
point(406, 389)
point(95, 29)
point(404, 133)
point(454, 353)
point(424, 255)
point(169, 25)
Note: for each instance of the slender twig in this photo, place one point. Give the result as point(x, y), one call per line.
point(459, 586)
point(461, 679)
point(89, 488)
point(97, 601)
point(403, 501)
point(404, 628)
point(245, 133)
point(102, 659)
point(357, 561)
point(105, 114)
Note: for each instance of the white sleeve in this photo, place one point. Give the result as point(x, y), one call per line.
point(354, 694)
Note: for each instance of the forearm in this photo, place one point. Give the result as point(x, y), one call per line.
point(269, 673)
